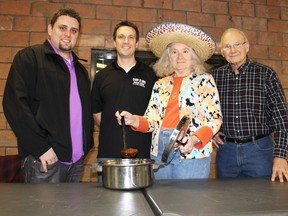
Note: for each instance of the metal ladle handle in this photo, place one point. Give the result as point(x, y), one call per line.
point(123, 130)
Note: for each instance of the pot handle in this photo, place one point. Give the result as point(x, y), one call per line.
point(156, 165)
point(96, 167)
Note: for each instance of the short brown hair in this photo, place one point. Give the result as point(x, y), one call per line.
point(66, 12)
point(126, 23)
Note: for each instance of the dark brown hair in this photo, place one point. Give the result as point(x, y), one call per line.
point(126, 23)
point(66, 12)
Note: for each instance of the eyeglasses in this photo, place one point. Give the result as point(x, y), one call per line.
point(235, 46)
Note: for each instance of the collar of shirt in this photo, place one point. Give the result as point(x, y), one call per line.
point(242, 69)
point(56, 51)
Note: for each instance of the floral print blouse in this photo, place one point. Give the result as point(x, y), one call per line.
point(198, 99)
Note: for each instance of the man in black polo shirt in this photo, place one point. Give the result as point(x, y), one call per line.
point(253, 106)
point(126, 84)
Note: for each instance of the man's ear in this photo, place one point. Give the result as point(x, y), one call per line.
point(222, 52)
point(219, 45)
point(49, 29)
point(247, 46)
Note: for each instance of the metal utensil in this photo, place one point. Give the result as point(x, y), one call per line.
point(127, 173)
point(126, 152)
point(178, 132)
point(123, 131)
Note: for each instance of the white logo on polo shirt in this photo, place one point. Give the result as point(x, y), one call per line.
point(139, 82)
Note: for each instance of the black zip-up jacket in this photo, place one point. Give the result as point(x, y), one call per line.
point(36, 102)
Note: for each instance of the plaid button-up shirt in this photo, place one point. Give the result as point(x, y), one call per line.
point(253, 104)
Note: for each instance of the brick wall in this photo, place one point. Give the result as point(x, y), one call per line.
point(24, 23)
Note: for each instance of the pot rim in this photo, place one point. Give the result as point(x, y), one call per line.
point(127, 162)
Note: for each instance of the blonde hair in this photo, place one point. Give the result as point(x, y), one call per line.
point(163, 67)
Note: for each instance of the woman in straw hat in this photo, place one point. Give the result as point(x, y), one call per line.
point(185, 89)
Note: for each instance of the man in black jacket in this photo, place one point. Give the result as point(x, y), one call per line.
point(47, 104)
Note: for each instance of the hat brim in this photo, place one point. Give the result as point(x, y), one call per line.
point(161, 35)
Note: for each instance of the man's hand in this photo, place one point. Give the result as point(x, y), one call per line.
point(217, 139)
point(48, 157)
point(280, 170)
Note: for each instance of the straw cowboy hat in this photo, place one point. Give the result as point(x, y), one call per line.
point(165, 33)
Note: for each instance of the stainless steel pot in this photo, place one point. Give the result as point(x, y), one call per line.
point(138, 173)
point(127, 173)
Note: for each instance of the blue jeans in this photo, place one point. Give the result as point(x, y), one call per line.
point(177, 168)
point(56, 172)
point(252, 159)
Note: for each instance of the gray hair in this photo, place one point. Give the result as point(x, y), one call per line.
point(163, 67)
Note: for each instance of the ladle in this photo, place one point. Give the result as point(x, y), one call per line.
point(126, 152)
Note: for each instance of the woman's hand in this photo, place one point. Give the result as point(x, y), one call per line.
point(130, 119)
point(190, 141)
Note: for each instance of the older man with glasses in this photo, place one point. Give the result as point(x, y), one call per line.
point(254, 108)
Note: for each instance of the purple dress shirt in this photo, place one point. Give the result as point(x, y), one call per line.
point(75, 112)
